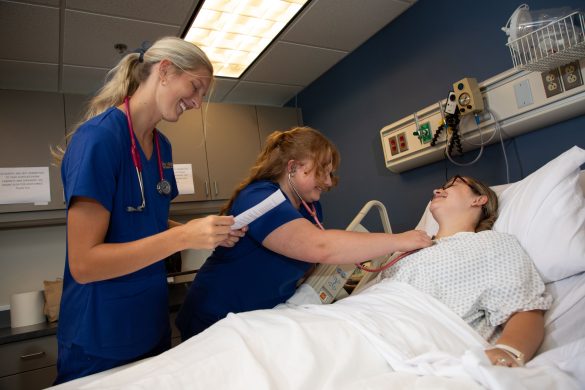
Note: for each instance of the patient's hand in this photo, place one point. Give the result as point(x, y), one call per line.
point(413, 239)
point(500, 358)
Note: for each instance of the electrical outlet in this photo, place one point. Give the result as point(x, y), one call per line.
point(571, 74)
point(552, 82)
point(393, 145)
point(402, 143)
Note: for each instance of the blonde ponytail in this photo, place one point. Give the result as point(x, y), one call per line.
point(133, 69)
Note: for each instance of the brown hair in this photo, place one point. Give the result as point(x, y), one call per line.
point(490, 209)
point(298, 143)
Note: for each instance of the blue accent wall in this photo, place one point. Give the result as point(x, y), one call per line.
point(406, 66)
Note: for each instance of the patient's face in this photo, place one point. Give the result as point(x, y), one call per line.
point(455, 195)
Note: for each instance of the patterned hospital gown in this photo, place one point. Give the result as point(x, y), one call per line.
point(483, 277)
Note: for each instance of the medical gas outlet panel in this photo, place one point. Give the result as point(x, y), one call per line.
point(514, 101)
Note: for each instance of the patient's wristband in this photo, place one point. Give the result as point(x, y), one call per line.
point(513, 352)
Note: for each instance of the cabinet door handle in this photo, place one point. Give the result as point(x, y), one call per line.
point(206, 189)
point(33, 355)
point(215, 185)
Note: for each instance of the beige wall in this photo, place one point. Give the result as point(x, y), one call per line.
point(29, 256)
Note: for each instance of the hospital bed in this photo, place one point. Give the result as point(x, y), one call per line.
point(389, 335)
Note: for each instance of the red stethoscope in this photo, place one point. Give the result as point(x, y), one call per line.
point(313, 213)
point(163, 186)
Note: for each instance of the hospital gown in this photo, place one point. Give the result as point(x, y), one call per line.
point(483, 277)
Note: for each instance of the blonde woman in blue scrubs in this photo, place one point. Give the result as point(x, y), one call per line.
point(118, 179)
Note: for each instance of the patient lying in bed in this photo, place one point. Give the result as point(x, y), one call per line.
point(411, 323)
point(483, 276)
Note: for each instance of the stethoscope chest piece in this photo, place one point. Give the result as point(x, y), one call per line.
point(163, 187)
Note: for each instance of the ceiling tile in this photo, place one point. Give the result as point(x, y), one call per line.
point(52, 3)
point(95, 47)
point(261, 94)
point(292, 64)
point(175, 12)
point(221, 87)
point(68, 45)
point(82, 80)
point(29, 76)
point(333, 23)
point(36, 40)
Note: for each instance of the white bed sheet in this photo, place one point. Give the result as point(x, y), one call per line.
point(389, 336)
point(564, 321)
point(345, 346)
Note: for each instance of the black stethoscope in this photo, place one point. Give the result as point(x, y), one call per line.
point(163, 186)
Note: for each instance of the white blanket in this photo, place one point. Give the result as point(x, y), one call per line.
point(389, 336)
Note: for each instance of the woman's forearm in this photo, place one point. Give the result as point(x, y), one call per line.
point(91, 259)
point(524, 331)
point(301, 240)
point(173, 224)
point(109, 260)
point(340, 246)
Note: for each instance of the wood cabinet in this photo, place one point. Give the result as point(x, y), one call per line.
point(30, 122)
point(75, 108)
point(175, 333)
point(220, 141)
point(188, 142)
point(271, 119)
point(28, 364)
point(233, 143)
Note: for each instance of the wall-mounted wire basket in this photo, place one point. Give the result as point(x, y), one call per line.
point(553, 45)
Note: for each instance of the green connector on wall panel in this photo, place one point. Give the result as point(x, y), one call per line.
point(424, 133)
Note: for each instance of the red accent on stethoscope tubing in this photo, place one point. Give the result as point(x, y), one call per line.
point(388, 265)
point(134, 150)
point(160, 170)
point(313, 213)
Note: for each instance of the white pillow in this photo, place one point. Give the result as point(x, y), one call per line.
point(428, 223)
point(546, 212)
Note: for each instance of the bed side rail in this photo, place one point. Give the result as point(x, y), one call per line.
point(328, 280)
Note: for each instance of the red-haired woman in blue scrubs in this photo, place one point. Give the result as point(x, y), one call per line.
point(118, 179)
point(264, 267)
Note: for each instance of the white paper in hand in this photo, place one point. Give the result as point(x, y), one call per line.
point(259, 210)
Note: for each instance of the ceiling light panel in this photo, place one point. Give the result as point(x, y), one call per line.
point(233, 33)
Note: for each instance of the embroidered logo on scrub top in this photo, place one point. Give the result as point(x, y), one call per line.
point(167, 165)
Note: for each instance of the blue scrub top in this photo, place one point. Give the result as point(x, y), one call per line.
point(127, 316)
point(247, 276)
